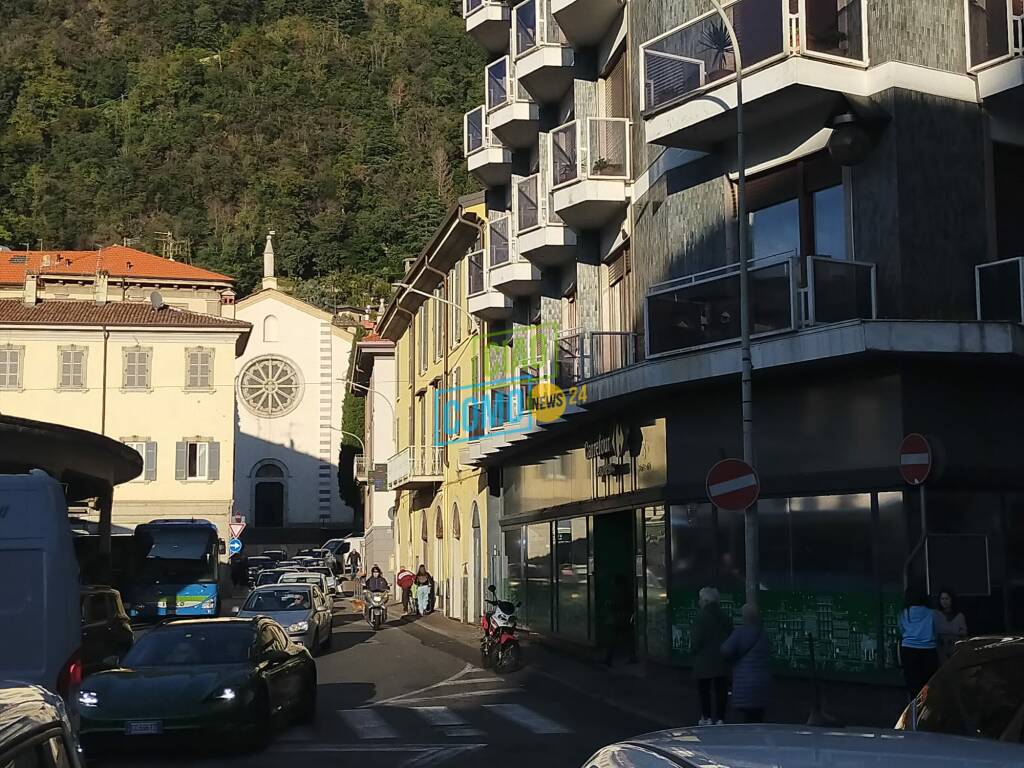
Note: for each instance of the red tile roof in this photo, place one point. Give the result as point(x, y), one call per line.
point(118, 260)
point(115, 313)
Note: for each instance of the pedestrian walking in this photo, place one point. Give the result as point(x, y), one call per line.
point(404, 579)
point(749, 651)
point(423, 585)
point(353, 561)
point(711, 629)
point(918, 655)
point(620, 621)
point(950, 624)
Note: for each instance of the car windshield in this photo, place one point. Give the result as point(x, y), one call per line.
point(191, 646)
point(268, 578)
point(275, 600)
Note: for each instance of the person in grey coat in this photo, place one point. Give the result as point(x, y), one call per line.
point(711, 628)
point(750, 652)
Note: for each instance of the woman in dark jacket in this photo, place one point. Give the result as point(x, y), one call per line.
point(711, 628)
point(750, 652)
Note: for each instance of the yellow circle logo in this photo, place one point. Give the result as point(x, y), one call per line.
point(548, 401)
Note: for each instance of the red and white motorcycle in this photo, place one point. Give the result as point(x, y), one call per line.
point(499, 646)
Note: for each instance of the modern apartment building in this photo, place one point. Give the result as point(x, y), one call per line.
point(884, 148)
point(445, 515)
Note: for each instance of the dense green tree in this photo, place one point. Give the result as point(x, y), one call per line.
point(335, 122)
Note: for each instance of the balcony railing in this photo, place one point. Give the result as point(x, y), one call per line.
point(415, 465)
point(469, 6)
point(474, 131)
point(498, 241)
point(582, 355)
point(498, 81)
point(612, 350)
point(593, 148)
point(534, 26)
point(533, 205)
point(699, 54)
point(360, 468)
point(704, 309)
point(477, 283)
point(995, 31)
point(999, 287)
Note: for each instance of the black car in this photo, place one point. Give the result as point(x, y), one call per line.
point(978, 692)
point(34, 729)
point(255, 564)
point(106, 629)
point(277, 555)
point(217, 679)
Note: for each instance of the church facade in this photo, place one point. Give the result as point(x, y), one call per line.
point(290, 391)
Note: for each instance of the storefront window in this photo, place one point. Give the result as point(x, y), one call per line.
point(537, 613)
point(514, 553)
point(572, 549)
point(656, 582)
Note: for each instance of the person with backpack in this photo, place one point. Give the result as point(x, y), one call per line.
point(749, 651)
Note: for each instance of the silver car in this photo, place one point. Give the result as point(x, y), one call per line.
point(794, 746)
point(302, 609)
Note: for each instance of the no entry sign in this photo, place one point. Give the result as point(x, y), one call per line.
point(732, 485)
point(915, 459)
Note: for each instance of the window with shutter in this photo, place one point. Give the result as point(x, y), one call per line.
point(137, 367)
point(438, 328)
point(199, 368)
point(147, 450)
point(11, 364)
point(71, 367)
point(616, 99)
point(197, 460)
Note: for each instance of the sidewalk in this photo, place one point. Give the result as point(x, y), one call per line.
point(667, 696)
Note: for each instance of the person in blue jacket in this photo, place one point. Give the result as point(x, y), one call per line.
point(749, 651)
point(918, 647)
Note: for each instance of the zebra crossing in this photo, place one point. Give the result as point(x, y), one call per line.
point(397, 721)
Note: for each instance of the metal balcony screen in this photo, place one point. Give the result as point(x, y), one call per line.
point(608, 150)
point(526, 204)
point(474, 130)
point(999, 292)
point(497, 83)
point(564, 157)
point(499, 241)
point(526, 27)
point(994, 29)
point(708, 312)
point(476, 272)
point(842, 290)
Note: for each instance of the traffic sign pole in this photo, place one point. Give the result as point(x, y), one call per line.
point(915, 466)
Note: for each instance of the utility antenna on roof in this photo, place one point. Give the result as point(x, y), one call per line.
point(156, 300)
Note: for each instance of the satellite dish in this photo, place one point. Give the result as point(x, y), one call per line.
point(156, 300)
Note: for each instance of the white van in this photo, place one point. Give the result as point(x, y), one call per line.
point(40, 607)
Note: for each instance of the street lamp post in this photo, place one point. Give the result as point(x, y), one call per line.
point(390, 405)
point(750, 520)
point(408, 288)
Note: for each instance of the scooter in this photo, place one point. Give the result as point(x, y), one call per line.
point(499, 646)
point(376, 610)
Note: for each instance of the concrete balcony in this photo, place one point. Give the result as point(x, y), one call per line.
point(487, 22)
point(487, 159)
point(415, 467)
point(512, 114)
point(483, 301)
point(506, 270)
point(543, 58)
point(995, 50)
point(585, 22)
point(590, 171)
point(799, 56)
point(359, 471)
point(541, 237)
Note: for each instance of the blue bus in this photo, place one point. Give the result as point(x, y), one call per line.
point(175, 569)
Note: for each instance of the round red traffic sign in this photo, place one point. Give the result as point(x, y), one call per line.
point(915, 459)
point(732, 485)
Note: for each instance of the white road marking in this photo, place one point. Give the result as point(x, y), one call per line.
point(447, 720)
point(461, 695)
point(526, 718)
point(471, 681)
point(367, 724)
point(466, 670)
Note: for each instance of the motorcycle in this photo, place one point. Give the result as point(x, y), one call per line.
point(376, 610)
point(499, 646)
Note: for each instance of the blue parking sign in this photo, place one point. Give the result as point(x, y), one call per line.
point(235, 546)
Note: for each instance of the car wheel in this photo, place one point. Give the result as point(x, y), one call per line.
point(307, 711)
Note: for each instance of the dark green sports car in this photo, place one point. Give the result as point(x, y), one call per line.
point(228, 678)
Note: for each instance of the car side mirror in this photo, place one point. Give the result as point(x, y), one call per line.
point(234, 611)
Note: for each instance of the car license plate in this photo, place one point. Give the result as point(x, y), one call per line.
point(143, 727)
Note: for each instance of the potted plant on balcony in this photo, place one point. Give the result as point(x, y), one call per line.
point(714, 39)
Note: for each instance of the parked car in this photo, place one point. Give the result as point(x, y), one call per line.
point(225, 679)
point(978, 692)
point(106, 629)
point(42, 609)
point(308, 576)
point(788, 746)
point(255, 564)
point(328, 573)
point(302, 609)
point(35, 729)
point(277, 555)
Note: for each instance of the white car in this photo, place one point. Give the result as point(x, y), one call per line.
point(306, 577)
point(325, 570)
point(793, 746)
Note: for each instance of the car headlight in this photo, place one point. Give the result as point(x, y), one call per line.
point(88, 699)
point(228, 694)
point(299, 626)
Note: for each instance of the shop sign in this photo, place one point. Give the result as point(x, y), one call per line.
point(614, 446)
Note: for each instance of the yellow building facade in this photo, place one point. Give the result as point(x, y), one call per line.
point(442, 506)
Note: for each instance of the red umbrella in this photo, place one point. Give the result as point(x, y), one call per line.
point(405, 578)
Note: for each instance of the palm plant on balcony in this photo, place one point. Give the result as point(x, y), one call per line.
point(714, 39)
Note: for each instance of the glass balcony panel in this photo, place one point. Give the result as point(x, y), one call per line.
point(564, 154)
point(476, 273)
point(999, 292)
point(497, 83)
point(499, 241)
point(701, 52)
point(834, 27)
point(611, 350)
point(474, 130)
point(569, 358)
point(469, 6)
point(552, 32)
point(842, 290)
point(608, 148)
point(709, 312)
point(526, 26)
point(988, 27)
point(528, 214)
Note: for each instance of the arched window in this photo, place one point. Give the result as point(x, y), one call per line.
point(270, 328)
point(456, 523)
point(438, 524)
point(269, 494)
point(476, 515)
point(269, 470)
point(423, 526)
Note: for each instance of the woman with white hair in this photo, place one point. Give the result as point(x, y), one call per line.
point(710, 669)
